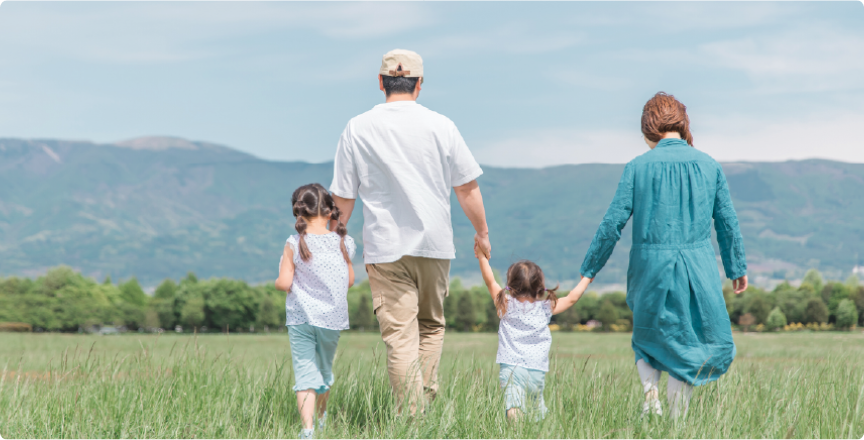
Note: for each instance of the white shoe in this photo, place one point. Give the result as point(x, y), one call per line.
point(652, 408)
point(307, 434)
point(322, 421)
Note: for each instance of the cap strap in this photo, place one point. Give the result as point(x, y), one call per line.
point(400, 72)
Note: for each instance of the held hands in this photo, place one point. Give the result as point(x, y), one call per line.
point(740, 284)
point(482, 245)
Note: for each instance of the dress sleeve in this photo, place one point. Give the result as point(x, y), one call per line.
point(293, 243)
point(728, 233)
point(346, 180)
point(609, 232)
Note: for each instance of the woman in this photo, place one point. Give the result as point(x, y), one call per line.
point(680, 324)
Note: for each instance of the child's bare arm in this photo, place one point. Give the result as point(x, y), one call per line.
point(286, 270)
point(574, 295)
point(488, 276)
point(350, 274)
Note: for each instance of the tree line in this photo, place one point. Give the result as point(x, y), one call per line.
point(66, 301)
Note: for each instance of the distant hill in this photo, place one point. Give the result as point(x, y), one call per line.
point(160, 207)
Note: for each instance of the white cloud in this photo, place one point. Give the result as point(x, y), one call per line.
point(157, 32)
point(512, 38)
point(804, 59)
point(551, 147)
point(834, 137)
point(689, 16)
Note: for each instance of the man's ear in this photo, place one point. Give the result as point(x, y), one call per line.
point(381, 83)
point(417, 87)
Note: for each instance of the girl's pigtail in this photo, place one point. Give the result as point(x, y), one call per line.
point(335, 215)
point(552, 297)
point(501, 303)
point(301, 224)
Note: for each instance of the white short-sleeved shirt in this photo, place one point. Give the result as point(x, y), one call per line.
point(319, 293)
point(524, 338)
point(402, 160)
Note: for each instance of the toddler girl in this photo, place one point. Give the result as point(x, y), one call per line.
point(316, 272)
point(525, 307)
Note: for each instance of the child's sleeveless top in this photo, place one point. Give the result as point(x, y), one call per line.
point(524, 338)
point(319, 293)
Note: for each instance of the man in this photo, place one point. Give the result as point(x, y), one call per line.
point(402, 159)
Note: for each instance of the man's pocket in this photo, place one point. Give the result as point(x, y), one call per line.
point(375, 285)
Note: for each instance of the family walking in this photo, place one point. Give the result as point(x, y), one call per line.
point(402, 160)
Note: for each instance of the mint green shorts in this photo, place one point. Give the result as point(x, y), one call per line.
point(523, 389)
point(312, 352)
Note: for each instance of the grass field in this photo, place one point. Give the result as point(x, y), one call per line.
point(52, 385)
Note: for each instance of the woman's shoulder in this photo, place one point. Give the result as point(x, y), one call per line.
point(654, 157)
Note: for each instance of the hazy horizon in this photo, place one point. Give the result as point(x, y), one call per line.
point(116, 144)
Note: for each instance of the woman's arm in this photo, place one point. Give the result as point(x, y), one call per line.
point(286, 270)
point(574, 295)
point(609, 232)
point(729, 235)
point(488, 276)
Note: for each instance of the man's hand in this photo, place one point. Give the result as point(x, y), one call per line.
point(482, 244)
point(740, 284)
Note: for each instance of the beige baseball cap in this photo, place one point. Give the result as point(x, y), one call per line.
point(412, 64)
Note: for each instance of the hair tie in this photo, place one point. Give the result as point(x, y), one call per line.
point(507, 288)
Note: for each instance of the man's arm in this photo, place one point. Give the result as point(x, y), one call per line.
point(472, 203)
point(346, 206)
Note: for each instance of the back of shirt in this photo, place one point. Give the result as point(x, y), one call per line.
point(524, 338)
point(402, 160)
point(318, 294)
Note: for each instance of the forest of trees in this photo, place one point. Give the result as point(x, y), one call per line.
point(66, 301)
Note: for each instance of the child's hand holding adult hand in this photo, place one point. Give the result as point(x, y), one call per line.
point(481, 241)
point(478, 253)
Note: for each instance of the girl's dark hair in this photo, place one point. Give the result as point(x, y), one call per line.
point(525, 280)
point(662, 114)
point(310, 201)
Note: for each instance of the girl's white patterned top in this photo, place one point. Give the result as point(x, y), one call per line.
point(319, 293)
point(524, 338)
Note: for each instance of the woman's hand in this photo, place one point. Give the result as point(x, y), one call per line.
point(740, 284)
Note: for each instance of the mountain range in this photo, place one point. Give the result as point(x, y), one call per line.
point(160, 207)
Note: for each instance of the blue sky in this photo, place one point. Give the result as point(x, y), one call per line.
point(528, 84)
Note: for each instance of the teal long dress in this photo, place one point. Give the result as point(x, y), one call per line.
point(680, 323)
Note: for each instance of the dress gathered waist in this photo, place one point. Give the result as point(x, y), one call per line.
point(666, 246)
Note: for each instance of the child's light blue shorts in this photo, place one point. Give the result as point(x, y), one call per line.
point(312, 352)
point(523, 389)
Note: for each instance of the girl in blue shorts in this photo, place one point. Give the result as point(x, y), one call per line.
point(525, 307)
point(316, 272)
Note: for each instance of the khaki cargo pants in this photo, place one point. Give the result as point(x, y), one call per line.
point(408, 299)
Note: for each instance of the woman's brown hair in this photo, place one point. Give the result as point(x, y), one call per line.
point(525, 280)
point(662, 114)
point(310, 201)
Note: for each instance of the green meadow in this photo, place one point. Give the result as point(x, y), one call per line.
point(781, 385)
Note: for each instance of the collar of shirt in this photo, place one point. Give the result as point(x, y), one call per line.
point(672, 142)
point(396, 104)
